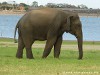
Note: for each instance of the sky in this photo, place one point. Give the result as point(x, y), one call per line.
point(88, 3)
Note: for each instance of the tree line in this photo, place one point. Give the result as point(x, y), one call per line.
point(60, 5)
point(14, 5)
point(34, 5)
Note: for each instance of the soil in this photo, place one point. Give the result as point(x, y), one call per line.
point(64, 47)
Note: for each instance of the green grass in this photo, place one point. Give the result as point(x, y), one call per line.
point(67, 64)
point(6, 40)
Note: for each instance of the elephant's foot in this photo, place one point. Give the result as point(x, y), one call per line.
point(30, 57)
point(56, 56)
point(19, 56)
point(46, 53)
point(80, 58)
point(44, 56)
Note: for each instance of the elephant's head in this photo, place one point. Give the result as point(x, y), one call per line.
point(76, 30)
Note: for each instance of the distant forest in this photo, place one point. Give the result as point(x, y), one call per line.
point(12, 5)
point(35, 4)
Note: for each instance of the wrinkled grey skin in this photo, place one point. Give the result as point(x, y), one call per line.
point(47, 24)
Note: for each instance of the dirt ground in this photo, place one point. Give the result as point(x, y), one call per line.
point(64, 46)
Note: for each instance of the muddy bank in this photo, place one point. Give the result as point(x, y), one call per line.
point(12, 12)
point(6, 12)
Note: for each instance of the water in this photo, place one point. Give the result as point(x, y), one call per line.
point(91, 27)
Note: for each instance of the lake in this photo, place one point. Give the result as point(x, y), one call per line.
point(90, 26)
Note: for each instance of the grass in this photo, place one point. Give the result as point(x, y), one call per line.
point(67, 64)
point(64, 42)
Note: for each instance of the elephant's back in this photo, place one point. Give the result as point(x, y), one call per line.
point(38, 19)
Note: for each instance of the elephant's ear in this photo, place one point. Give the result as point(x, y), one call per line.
point(69, 22)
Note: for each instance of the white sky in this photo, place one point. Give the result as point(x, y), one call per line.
point(89, 3)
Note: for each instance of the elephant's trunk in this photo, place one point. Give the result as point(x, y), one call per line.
point(80, 44)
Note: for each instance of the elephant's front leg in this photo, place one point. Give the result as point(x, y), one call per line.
point(57, 47)
point(49, 44)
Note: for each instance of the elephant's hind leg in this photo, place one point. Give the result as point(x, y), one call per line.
point(28, 43)
point(57, 47)
point(21, 46)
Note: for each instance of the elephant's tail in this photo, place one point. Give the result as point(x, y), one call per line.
point(15, 41)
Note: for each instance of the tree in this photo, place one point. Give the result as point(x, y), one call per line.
point(25, 6)
point(60, 5)
point(14, 4)
point(41, 6)
point(6, 6)
point(82, 6)
point(35, 4)
point(51, 5)
point(4, 3)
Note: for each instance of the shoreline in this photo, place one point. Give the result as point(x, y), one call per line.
point(12, 12)
point(88, 15)
point(24, 12)
point(63, 40)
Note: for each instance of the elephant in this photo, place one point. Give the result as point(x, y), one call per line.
point(47, 24)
